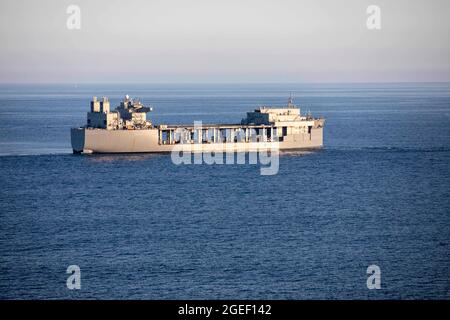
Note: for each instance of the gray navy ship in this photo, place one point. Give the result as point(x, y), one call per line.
point(126, 129)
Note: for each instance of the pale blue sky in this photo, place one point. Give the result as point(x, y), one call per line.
point(224, 41)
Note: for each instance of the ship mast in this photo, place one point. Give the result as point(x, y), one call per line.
point(291, 101)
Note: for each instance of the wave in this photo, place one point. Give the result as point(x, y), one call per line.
point(389, 149)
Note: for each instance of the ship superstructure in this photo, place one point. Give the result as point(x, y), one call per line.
point(130, 114)
point(126, 129)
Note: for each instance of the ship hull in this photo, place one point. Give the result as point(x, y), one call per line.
point(87, 140)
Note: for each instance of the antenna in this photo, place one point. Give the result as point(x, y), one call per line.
point(290, 101)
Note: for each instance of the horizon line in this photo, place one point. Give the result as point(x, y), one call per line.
point(221, 82)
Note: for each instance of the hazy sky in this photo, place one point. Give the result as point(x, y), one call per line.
point(224, 41)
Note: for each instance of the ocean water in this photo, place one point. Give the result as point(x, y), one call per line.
point(140, 227)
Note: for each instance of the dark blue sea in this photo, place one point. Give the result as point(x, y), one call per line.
point(141, 227)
